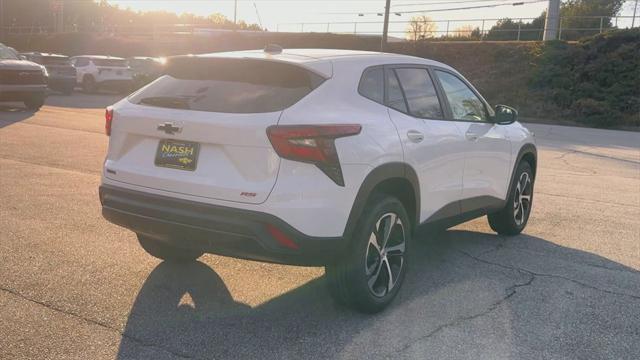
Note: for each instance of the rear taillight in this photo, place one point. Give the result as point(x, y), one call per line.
point(313, 144)
point(108, 120)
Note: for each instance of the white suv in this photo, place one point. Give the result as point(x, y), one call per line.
point(312, 157)
point(96, 71)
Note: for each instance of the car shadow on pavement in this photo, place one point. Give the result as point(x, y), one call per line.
point(468, 295)
point(11, 113)
point(79, 100)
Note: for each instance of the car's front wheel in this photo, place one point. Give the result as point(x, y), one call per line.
point(369, 277)
point(35, 102)
point(513, 218)
point(166, 251)
point(89, 85)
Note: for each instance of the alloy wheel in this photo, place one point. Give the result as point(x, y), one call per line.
point(522, 199)
point(385, 254)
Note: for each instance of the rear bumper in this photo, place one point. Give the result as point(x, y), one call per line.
point(216, 229)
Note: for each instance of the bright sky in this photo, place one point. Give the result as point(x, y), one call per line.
point(275, 14)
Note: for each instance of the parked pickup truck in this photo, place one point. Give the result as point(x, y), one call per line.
point(22, 80)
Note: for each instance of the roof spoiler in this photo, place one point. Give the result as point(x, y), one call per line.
point(273, 49)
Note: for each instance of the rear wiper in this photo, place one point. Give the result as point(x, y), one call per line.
point(166, 101)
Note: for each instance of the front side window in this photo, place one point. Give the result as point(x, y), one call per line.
point(372, 84)
point(420, 93)
point(464, 103)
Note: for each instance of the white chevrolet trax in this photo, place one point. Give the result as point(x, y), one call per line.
point(312, 157)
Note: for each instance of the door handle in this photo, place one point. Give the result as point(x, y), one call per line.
point(471, 136)
point(415, 136)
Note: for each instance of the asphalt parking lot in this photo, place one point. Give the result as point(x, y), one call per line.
point(74, 286)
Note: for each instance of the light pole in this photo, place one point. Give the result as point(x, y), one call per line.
point(552, 21)
point(235, 11)
point(385, 28)
point(1, 19)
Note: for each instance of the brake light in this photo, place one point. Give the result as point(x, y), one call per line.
point(108, 119)
point(313, 144)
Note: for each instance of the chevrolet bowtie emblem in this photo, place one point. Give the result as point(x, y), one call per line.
point(169, 128)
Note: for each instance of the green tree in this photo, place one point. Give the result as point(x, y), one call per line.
point(585, 14)
point(507, 29)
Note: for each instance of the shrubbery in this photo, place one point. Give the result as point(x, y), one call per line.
point(596, 81)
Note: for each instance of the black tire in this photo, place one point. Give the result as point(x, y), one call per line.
point(348, 279)
point(166, 251)
point(513, 218)
point(35, 102)
point(89, 85)
point(67, 90)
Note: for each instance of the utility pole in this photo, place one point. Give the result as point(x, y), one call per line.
point(385, 28)
point(552, 22)
point(633, 20)
point(235, 11)
point(1, 20)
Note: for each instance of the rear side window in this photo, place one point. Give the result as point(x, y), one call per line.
point(228, 85)
point(420, 93)
point(110, 62)
point(81, 62)
point(372, 84)
point(394, 93)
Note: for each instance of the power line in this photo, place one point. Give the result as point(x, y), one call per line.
point(448, 9)
point(446, 2)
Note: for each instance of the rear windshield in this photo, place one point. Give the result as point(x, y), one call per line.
point(228, 85)
point(110, 62)
point(55, 60)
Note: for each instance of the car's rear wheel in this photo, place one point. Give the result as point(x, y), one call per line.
point(513, 218)
point(89, 84)
point(35, 102)
point(369, 277)
point(166, 251)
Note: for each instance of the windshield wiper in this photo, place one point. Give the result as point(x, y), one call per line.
point(166, 101)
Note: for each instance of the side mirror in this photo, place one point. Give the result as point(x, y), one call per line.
point(505, 115)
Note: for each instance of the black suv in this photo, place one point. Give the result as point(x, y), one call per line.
point(62, 75)
point(21, 80)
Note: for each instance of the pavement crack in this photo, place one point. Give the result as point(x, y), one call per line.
point(535, 274)
point(103, 325)
point(509, 292)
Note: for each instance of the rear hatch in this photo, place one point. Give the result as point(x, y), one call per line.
point(58, 66)
point(117, 67)
point(200, 130)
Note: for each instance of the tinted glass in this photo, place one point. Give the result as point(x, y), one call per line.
point(228, 85)
point(7, 54)
point(420, 93)
point(110, 62)
point(465, 105)
point(372, 84)
point(55, 60)
point(81, 62)
point(395, 98)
